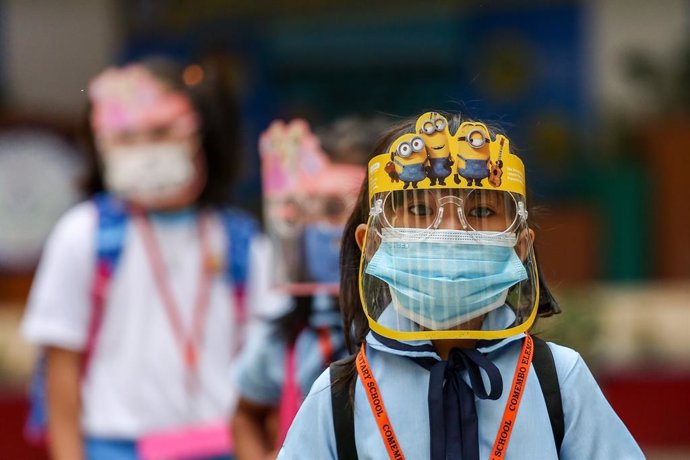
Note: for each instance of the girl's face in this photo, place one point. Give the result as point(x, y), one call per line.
point(160, 167)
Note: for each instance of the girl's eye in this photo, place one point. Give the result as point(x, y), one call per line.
point(160, 133)
point(481, 212)
point(420, 209)
point(126, 137)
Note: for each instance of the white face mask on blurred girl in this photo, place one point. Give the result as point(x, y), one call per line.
point(147, 138)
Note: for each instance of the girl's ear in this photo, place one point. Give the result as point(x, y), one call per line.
point(360, 232)
point(521, 247)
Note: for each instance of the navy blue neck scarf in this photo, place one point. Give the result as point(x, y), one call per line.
point(453, 424)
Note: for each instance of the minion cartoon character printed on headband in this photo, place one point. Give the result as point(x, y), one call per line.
point(448, 252)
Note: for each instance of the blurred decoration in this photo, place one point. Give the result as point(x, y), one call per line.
point(38, 182)
point(666, 85)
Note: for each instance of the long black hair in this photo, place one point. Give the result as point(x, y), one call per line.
point(219, 131)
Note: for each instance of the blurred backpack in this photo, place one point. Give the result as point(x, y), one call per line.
point(113, 218)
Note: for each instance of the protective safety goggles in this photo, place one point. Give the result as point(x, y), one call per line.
point(470, 210)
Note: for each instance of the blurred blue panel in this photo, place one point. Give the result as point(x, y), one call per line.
point(3, 40)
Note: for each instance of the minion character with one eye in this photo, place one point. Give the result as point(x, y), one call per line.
point(433, 128)
point(408, 160)
point(474, 150)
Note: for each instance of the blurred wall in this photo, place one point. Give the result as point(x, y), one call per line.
point(51, 49)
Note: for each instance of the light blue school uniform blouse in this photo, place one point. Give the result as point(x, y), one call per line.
point(593, 431)
point(262, 369)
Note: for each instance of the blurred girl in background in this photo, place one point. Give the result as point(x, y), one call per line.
point(309, 184)
point(142, 292)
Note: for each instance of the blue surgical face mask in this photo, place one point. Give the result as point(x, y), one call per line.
point(442, 278)
point(322, 252)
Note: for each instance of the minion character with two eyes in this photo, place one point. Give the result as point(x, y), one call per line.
point(433, 128)
point(474, 148)
point(408, 160)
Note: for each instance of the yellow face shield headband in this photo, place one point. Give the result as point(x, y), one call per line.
point(434, 158)
point(424, 174)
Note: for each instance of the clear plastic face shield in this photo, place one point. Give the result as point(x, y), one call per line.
point(307, 200)
point(448, 252)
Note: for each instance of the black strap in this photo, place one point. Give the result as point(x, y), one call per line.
point(548, 379)
point(343, 413)
point(342, 373)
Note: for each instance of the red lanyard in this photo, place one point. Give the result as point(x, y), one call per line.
point(189, 341)
point(291, 396)
point(505, 430)
point(325, 345)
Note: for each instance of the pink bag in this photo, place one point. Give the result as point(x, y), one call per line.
point(291, 395)
point(186, 443)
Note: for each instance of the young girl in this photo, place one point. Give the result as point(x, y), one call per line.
point(440, 287)
point(139, 300)
point(308, 194)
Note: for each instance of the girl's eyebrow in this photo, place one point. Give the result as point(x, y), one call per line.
point(488, 196)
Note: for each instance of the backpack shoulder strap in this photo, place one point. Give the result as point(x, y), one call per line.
point(240, 228)
point(110, 233)
point(110, 237)
point(343, 411)
point(545, 367)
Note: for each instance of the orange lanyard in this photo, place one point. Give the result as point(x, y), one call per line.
point(373, 393)
point(188, 342)
point(371, 388)
point(514, 397)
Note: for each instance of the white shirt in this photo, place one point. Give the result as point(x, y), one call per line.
point(136, 379)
